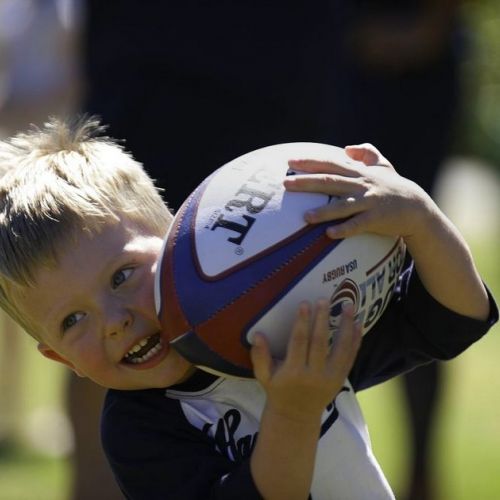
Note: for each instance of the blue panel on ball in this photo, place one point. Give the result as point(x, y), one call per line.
point(199, 298)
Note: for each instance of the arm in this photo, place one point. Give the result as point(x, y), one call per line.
point(445, 265)
point(298, 391)
point(376, 199)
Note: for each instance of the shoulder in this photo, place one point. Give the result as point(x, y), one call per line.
point(126, 406)
point(146, 416)
point(135, 419)
point(155, 451)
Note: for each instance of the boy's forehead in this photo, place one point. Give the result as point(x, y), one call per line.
point(103, 247)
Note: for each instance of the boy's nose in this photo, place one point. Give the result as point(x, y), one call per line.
point(118, 322)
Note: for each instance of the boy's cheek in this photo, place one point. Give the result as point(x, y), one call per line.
point(49, 353)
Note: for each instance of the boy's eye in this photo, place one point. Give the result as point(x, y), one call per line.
point(71, 320)
point(120, 276)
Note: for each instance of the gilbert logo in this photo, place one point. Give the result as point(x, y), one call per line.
point(239, 213)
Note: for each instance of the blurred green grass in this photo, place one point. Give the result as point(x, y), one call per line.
point(25, 472)
point(28, 476)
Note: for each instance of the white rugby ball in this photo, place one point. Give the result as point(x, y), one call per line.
point(239, 258)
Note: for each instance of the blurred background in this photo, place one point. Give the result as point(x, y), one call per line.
point(41, 74)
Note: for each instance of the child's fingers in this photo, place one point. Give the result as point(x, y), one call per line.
point(345, 344)
point(345, 168)
point(332, 184)
point(319, 343)
point(358, 224)
point(261, 358)
point(339, 208)
point(298, 344)
point(368, 154)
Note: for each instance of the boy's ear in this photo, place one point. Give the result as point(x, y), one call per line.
point(49, 353)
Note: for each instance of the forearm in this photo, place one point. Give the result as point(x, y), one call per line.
point(282, 462)
point(445, 265)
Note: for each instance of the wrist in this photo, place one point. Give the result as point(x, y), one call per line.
point(425, 219)
point(300, 418)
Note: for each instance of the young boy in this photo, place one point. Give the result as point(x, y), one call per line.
point(81, 229)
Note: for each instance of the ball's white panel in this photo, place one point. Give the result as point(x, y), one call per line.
point(245, 209)
point(361, 270)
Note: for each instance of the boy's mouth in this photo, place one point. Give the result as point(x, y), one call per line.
point(144, 350)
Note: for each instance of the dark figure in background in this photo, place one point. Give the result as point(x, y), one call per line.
point(194, 84)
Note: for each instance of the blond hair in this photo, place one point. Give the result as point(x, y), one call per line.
point(59, 181)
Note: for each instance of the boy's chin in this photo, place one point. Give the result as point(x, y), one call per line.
point(165, 369)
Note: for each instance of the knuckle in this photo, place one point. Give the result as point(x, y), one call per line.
point(352, 225)
point(300, 336)
point(319, 341)
point(327, 180)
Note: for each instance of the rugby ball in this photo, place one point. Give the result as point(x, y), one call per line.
point(239, 258)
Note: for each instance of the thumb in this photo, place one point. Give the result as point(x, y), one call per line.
point(366, 153)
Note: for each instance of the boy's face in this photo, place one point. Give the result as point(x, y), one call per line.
point(96, 312)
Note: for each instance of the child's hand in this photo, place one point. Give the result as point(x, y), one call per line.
point(297, 392)
point(374, 198)
point(313, 372)
point(370, 194)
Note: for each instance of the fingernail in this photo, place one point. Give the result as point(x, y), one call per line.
point(257, 339)
point(310, 216)
point(348, 308)
point(304, 308)
point(332, 232)
point(322, 304)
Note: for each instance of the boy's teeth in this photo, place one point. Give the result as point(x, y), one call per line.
point(139, 345)
point(154, 341)
point(136, 348)
point(148, 355)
